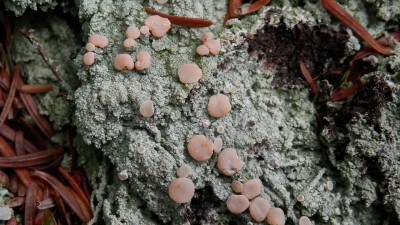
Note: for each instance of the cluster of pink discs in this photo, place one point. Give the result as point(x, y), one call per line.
point(95, 40)
point(259, 208)
point(156, 25)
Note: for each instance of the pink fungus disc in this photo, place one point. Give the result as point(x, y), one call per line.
point(252, 188)
point(219, 105)
point(162, 2)
point(237, 186)
point(181, 190)
point(229, 162)
point(213, 45)
point(304, 220)
point(123, 61)
point(90, 47)
point(144, 30)
point(158, 26)
point(184, 171)
point(98, 40)
point(202, 50)
point(143, 60)
point(88, 58)
point(237, 203)
point(259, 208)
point(218, 144)
point(207, 36)
point(276, 216)
point(133, 32)
point(189, 73)
point(129, 43)
point(147, 109)
point(200, 148)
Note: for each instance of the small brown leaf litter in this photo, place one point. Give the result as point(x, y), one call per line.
point(27, 150)
point(281, 49)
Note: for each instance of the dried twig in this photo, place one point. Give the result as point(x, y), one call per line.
point(31, 37)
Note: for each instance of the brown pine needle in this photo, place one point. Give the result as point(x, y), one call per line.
point(23, 174)
point(32, 159)
point(81, 211)
point(30, 204)
point(10, 97)
point(308, 77)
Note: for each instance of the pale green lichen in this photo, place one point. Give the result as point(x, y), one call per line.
point(19, 7)
point(282, 133)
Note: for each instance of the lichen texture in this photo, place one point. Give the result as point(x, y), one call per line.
point(334, 162)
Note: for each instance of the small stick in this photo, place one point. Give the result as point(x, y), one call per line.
point(341, 14)
point(42, 53)
point(35, 88)
point(180, 20)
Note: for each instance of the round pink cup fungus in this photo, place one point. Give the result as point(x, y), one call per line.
point(200, 148)
point(203, 50)
point(237, 186)
point(189, 73)
point(132, 32)
point(98, 40)
point(123, 61)
point(228, 162)
point(219, 105)
point(158, 26)
point(276, 216)
point(259, 208)
point(207, 36)
point(181, 190)
point(147, 109)
point(88, 58)
point(252, 188)
point(90, 47)
point(143, 60)
point(144, 30)
point(237, 203)
point(129, 43)
point(213, 45)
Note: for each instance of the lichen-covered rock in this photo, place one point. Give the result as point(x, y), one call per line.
point(271, 125)
point(344, 164)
